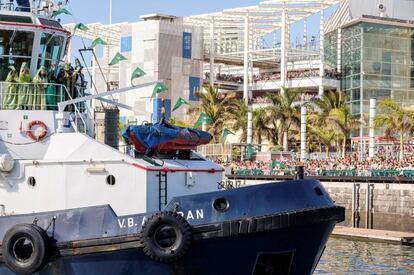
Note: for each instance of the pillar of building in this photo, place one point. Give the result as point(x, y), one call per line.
point(372, 114)
point(212, 53)
point(339, 50)
point(246, 62)
point(305, 33)
point(246, 67)
point(285, 42)
point(322, 50)
point(69, 52)
point(303, 142)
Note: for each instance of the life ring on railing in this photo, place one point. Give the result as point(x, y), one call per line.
point(30, 133)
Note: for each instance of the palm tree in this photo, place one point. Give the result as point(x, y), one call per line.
point(215, 105)
point(261, 125)
point(323, 135)
point(341, 120)
point(284, 111)
point(236, 117)
point(329, 101)
point(395, 119)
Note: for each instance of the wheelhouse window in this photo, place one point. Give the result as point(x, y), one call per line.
point(15, 48)
point(50, 49)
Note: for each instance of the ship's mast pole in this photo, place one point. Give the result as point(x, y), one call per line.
point(110, 12)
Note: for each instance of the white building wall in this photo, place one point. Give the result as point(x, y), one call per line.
point(401, 9)
point(157, 48)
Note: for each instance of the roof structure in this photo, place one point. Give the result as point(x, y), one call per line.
point(264, 18)
point(111, 34)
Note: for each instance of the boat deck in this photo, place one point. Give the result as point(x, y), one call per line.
point(374, 235)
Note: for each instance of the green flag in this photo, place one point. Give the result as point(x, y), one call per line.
point(98, 41)
point(137, 73)
point(117, 58)
point(226, 132)
point(203, 118)
point(159, 88)
point(60, 11)
point(80, 26)
point(180, 102)
point(250, 151)
point(278, 164)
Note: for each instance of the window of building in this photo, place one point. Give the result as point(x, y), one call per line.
point(187, 45)
point(194, 87)
point(126, 44)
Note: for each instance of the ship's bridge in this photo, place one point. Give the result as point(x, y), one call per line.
point(28, 34)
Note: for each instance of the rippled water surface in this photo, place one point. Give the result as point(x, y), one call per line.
point(354, 257)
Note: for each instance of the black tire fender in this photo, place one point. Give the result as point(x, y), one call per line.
point(182, 237)
point(31, 257)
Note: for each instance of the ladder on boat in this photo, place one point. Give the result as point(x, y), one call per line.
point(162, 187)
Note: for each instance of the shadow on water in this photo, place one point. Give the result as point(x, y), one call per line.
point(353, 257)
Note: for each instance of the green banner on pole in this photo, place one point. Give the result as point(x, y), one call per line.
point(60, 11)
point(180, 102)
point(80, 26)
point(117, 58)
point(203, 118)
point(137, 73)
point(159, 88)
point(226, 132)
point(98, 41)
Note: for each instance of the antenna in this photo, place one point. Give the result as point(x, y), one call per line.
point(110, 12)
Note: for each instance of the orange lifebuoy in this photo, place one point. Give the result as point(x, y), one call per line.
point(30, 133)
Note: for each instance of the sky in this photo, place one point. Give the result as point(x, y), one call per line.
point(90, 11)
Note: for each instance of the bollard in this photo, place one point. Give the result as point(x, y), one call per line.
point(300, 172)
point(355, 205)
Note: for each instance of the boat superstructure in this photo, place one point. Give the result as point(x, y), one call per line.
point(50, 159)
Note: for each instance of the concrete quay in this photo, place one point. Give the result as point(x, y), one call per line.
point(374, 235)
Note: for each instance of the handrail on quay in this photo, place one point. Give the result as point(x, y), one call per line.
point(396, 179)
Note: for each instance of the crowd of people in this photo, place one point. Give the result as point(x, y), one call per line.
point(305, 97)
point(45, 90)
point(351, 165)
point(298, 74)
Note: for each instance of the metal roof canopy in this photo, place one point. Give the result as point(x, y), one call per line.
point(111, 34)
point(264, 18)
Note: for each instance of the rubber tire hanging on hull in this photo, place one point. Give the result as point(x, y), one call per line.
point(18, 236)
point(163, 223)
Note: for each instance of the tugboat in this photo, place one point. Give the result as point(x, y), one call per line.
point(72, 205)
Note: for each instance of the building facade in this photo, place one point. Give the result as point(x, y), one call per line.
point(371, 42)
point(166, 50)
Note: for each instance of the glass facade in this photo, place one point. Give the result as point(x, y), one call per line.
point(377, 62)
point(331, 50)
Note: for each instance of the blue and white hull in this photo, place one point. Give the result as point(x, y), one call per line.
point(278, 228)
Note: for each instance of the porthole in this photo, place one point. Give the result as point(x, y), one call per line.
point(31, 181)
point(318, 191)
point(221, 204)
point(110, 180)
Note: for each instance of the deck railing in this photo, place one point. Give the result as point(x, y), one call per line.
point(44, 97)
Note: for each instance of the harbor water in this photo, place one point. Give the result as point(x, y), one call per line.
point(354, 257)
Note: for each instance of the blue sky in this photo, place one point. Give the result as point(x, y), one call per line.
point(90, 11)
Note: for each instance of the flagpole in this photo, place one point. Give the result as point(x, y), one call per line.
point(110, 12)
